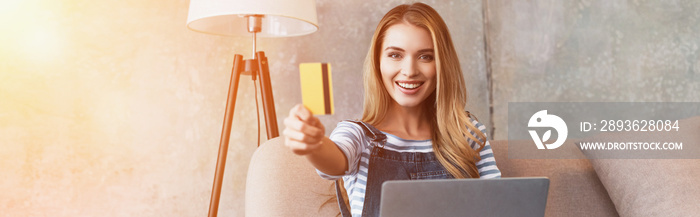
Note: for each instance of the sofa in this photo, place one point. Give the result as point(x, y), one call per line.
point(280, 183)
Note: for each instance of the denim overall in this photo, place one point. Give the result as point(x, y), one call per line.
point(387, 165)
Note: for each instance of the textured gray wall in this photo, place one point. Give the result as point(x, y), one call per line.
point(601, 51)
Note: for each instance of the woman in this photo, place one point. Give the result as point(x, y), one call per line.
point(413, 124)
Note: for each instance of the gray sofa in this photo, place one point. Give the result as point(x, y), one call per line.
point(280, 183)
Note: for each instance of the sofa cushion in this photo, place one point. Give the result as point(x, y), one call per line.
point(653, 187)
point(574, 189)
point(280, 183)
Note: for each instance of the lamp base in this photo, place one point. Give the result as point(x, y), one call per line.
point(253, 67)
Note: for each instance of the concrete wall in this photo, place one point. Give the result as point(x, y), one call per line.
point(114, 108)
point(592, 51)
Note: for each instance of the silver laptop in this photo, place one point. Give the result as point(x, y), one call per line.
point(465, 197)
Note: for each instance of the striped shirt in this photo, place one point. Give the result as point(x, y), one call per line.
point(349, 137)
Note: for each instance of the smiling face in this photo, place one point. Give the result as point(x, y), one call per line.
point(407, 64)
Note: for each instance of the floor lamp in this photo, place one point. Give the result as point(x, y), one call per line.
point(264, 18)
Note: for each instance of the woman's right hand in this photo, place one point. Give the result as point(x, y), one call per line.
point(304, 133)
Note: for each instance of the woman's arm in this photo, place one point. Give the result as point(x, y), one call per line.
point(305, 135)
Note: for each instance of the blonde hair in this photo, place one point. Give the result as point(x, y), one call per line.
point(445, 106)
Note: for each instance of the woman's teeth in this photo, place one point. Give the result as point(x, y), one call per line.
point(409, 86)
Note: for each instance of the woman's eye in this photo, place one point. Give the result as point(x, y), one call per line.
point(394, 55)
point(427, 57)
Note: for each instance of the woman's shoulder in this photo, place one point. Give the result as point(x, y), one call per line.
point(348, 126)
point(475, 127)
point(475, 122)
point(353, 128)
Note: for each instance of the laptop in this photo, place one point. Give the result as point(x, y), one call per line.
point(465, 197)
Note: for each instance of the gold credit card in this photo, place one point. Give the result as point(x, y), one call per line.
point(317, 87)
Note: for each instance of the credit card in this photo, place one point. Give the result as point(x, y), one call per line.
point(317, 87)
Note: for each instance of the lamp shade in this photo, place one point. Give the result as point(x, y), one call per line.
point(281, 18)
